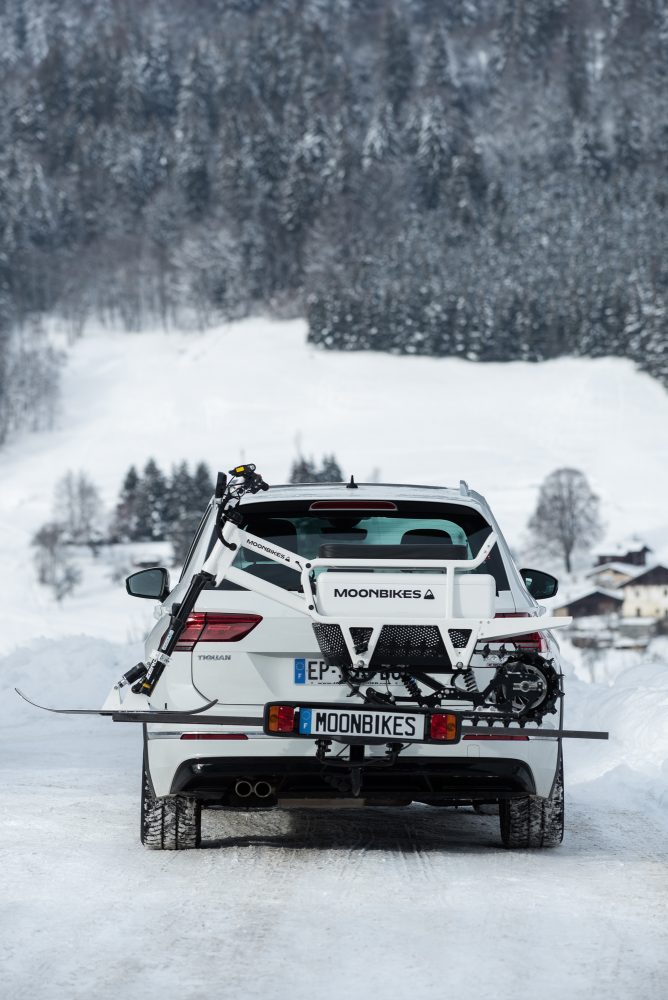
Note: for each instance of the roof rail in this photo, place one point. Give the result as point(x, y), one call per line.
point(464, 488)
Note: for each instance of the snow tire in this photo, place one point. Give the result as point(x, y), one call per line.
point(534, 821)
point(172, 823)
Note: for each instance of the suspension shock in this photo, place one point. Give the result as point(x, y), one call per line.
point(412, 687)
point(470, 681)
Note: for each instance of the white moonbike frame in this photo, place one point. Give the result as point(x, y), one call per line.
point(219, 564)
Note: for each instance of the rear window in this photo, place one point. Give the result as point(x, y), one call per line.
point(298, 529)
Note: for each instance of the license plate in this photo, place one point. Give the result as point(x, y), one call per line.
point(319, 673)
point(400, 726)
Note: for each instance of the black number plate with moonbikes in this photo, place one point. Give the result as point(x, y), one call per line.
point(363, 724)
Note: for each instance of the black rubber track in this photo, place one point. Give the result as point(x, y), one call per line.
point(172, 823)
point(533, 821)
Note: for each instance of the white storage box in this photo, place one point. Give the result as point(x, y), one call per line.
point(404, 595)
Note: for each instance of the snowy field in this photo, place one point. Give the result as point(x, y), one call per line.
point(400, 903)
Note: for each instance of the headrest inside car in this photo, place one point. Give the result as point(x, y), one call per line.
point(274, 529)
point(433, 550)
point(423, 536)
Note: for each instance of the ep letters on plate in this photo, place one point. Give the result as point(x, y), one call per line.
point(318, 672)
point(347, 722)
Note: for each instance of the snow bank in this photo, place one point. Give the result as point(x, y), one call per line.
point(631, 703)
point(76, 672)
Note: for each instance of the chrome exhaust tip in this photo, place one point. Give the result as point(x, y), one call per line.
point(263, 789)
point(243, 789)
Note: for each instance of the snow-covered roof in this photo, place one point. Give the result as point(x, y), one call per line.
point(618, 567)
point(602, 591)
point(631, 544)
point(637, 580)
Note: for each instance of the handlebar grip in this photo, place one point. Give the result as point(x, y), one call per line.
point(221, 483)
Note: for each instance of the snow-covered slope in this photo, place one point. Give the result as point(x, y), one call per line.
point(256, 390)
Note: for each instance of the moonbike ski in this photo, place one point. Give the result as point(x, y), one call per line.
point(360, 629)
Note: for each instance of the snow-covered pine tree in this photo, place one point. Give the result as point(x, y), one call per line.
point(202, 487)
point(124, 522)
point(150, 504)
point(303, 471)
point(330, 471)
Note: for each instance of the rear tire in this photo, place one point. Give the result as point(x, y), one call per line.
point(533, 821)
point(170, 823)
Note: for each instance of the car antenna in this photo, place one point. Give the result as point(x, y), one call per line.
point(352, 485)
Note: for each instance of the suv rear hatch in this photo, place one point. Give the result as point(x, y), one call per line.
point(246, 649)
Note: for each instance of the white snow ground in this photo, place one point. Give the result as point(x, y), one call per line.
point(397, 903)
point(402, 903)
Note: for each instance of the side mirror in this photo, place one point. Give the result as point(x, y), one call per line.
point(540, 585)
point(150, 583)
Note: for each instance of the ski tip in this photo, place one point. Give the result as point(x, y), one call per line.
point(96, 711)
point(29, 701)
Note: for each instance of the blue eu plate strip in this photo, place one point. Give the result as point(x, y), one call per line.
point(300, 671)
point(305, 720)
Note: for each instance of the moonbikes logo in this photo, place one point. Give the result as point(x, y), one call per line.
point(384, 592)
point(252, 544)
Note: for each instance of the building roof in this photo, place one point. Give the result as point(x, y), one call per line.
point(619, 567)
point(649, 576)
point(630, 544)
point(600, 591)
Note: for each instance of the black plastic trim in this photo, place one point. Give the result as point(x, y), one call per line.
point(427, 779)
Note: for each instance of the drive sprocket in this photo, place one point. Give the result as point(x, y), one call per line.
point(526, 688)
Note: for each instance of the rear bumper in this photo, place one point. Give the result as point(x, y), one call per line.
point(449, 780)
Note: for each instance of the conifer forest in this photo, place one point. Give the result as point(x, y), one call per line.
point(483, 179)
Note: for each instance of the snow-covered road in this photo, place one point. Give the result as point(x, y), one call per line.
point(395, 903)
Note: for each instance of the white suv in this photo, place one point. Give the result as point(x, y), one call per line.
point(356, 664)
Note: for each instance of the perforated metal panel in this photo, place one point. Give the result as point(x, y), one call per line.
point(332, 645)
point(459, 637)
point(411, 645)
point(398, 645)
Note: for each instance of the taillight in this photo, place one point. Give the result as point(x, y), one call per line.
point(443, 727)
point(210, 626)
point(281, 719)
point(533, 641)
